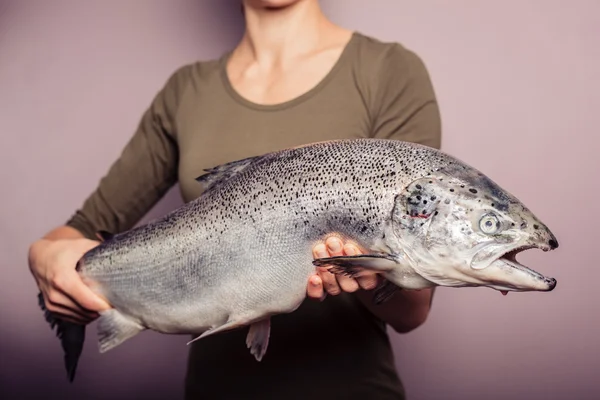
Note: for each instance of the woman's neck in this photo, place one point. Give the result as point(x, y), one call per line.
point(274, 35)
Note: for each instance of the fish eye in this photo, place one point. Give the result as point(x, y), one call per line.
point(489, 224)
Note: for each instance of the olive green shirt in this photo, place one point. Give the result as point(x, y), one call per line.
point(324, 350)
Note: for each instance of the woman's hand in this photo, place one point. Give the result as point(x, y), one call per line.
point(324, 282)
point(52, 263)
point(404, 312)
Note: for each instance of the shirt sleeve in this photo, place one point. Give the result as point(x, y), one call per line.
point(145, 170)
point(404, 105)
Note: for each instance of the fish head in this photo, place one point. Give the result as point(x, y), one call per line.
point(458, 228)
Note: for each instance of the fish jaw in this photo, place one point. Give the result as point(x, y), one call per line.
point(504, 273)
point(501, 270)
point(507, 274)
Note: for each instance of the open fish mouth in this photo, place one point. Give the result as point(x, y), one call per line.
point(522, 278)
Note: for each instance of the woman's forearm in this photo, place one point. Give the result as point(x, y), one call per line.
point(404, 312)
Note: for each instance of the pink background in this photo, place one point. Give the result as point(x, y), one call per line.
point(519, 91)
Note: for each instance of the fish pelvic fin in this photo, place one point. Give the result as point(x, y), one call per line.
point(114, 328)
point(71, 335)
point(257, 339)
point(384, 292)
point(223, 172)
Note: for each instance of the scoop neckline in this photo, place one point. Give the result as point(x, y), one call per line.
point(296, 100)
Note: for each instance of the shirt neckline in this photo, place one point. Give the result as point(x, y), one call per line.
point(296, 100)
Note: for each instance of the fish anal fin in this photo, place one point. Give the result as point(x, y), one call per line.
point(357, 266)
point(114, 328)
point(231, 324)
point(224, 172)
point(258, 338)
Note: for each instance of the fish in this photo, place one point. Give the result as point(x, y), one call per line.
point(241, 252)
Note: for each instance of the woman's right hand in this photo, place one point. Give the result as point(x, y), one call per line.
point(52, 263)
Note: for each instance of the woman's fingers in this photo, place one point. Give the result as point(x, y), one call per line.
point(366, 282)
point(315, 288)
point(336, 249)
point(61, 305)
point(326, 282)
point(80, 293)
point(73, 320)
point(330, 284)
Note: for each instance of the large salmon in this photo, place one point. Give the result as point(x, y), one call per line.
point(242, 251)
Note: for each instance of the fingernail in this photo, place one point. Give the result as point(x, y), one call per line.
point(334, 245)
point(315, 281)
point(351, 250)
point(321, 251)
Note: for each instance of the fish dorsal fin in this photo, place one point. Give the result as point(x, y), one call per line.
point(223, 172)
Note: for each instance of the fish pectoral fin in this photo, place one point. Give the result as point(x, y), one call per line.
point(258, 338)
point(114, 328)
point(357, 266)
point(384, 291)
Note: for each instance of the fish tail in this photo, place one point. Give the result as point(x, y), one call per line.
point(72, 337)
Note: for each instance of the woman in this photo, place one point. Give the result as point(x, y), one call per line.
point(294, 78)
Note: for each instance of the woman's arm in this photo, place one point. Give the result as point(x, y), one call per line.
point(145, 170)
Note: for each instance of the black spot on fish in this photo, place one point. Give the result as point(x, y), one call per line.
point(419, 187)
point(536, 226)
point(452, 190)
point(473, 190)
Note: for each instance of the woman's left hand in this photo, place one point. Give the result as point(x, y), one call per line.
point(324, 282)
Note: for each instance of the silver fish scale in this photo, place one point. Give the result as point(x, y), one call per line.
point(243, 248)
